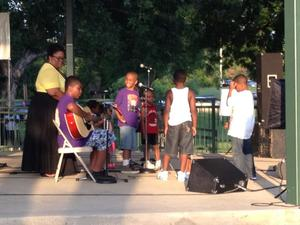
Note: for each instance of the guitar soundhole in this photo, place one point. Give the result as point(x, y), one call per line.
point(88, 126)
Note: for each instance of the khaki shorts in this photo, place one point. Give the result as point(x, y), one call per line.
point(179, 139)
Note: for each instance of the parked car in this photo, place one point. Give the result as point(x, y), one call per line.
point(206, 100)
point(252, 83)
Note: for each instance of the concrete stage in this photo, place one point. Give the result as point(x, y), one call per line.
point(30, 199)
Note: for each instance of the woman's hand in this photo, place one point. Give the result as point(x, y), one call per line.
point(55, 93)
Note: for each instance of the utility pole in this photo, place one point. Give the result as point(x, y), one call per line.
point(69, 37)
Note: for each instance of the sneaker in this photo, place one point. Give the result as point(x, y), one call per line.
point(253, 178)
point(130, 170)
point(157, 164)
point(163, 175)
point(149, 165)
point(187, 175)
point(181, 176)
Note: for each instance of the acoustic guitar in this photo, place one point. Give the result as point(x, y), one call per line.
point(78, 127)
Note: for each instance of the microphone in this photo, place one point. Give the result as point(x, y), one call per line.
point(145, 87)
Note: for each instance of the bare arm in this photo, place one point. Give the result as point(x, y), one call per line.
point(169, 98)
point(231, 87)
point(74, 108)
point(192, 103)
point(55, 93)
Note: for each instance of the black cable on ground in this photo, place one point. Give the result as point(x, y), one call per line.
point(279, 204)
point(261, 189)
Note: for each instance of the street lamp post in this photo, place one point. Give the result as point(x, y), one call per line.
point(221, 65)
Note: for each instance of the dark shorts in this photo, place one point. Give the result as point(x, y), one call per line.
point(179, 139)
point(152, 139)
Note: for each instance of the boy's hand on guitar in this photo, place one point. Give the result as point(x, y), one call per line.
point(88, 116)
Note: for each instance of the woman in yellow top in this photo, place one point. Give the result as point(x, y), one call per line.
point(40, 144)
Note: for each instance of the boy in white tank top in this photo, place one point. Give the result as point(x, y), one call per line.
point(180, 123)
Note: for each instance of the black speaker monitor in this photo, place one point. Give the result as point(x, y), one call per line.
point(276, 107)
point(269, 66)
point(215, 175)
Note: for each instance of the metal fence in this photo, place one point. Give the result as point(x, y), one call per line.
point(12, 129)
point(211, 135)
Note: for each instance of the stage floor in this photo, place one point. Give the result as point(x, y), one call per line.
point(30, 199)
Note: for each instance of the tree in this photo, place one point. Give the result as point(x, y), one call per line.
point(112, 36)
point(244, 28)
point(32, 26)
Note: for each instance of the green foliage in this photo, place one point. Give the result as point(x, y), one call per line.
point(29, 78)
point(197, 80)
point(33, 25)
point(161, 85)
point(111, 37)
point(97, 45)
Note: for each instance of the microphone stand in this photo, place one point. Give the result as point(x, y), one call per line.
point(145, 130)
point(106, 179)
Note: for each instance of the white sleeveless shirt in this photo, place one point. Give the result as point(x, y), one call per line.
point(180, 109)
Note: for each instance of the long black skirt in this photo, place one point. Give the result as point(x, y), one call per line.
point(40, 143)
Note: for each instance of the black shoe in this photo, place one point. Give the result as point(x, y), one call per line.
point(106, 180)
point(100, 173)
point(95, 174)
point(130, 169)
point(102, 178)
point(142, 159)
point(134, 165)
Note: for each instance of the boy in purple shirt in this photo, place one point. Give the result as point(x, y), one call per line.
point(128, 101)
point(98, 139)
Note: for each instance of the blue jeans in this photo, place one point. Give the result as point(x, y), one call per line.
point(242, 156)
point(128, 138)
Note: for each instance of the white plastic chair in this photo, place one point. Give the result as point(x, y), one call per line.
point(68, 148)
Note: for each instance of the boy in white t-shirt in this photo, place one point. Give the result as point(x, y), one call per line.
point(241, 124)
point(180, 125)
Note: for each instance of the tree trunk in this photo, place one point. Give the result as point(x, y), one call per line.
point(17, 71)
